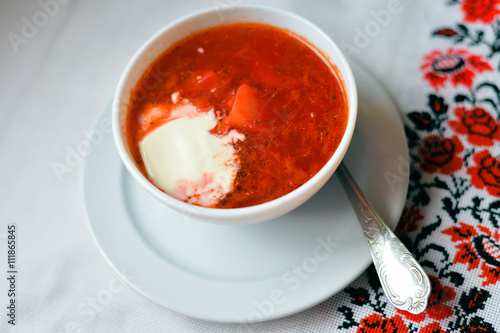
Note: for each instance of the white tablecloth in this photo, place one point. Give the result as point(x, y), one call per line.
point(55, 81)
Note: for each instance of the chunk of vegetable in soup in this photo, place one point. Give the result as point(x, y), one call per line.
point(276, 106)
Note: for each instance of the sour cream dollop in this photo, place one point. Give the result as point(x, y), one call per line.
point(188, 162)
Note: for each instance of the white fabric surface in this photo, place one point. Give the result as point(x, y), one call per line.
point(55, 87)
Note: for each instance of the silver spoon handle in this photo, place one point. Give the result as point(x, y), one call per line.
point(404, 281)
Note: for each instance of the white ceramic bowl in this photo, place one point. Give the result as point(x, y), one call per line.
point(184, 27)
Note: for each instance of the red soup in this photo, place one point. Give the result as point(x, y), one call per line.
point(276, 105)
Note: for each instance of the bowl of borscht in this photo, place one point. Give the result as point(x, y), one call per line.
point(235, 115)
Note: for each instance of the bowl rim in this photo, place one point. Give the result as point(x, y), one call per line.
point(275, 206)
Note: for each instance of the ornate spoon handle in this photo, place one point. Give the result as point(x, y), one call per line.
point(404, 281)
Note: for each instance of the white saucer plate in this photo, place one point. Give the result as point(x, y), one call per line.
point(255, 272)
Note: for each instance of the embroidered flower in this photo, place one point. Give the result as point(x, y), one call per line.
point(375, 323)
point(479, 126)
point(484, 11)
point(440, 154)
point(477, 247)
point(486, 173)
point(458, 66)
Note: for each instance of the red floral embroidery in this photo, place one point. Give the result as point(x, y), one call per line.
point(478, 124)
point(437, 307)
point(410, 218)
point(486, 173)
point(432, 328)
point(467, 256)
point(375, 323)
point(477, 247)
point(480, 10)
point(440, 154)
point(460, 232)
point(458, 66)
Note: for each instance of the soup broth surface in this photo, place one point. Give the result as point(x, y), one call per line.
point(277, 106)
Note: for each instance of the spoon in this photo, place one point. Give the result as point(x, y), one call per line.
point(404, 281)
